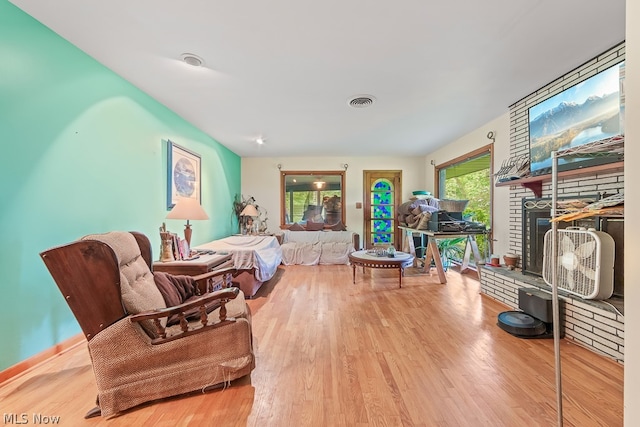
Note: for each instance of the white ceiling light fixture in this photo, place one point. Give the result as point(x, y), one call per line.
point(260, 140)
point(192, 59)
point(362, 101)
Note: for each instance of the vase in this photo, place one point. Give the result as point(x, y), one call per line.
point(511, 261)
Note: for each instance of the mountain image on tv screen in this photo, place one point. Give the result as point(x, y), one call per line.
point(586, 112)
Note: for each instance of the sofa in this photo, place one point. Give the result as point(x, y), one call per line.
point(318, 247)
point(255, 258)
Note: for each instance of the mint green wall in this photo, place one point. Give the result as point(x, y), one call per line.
point(82, 152)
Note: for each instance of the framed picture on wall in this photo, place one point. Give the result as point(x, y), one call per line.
point(183, 174)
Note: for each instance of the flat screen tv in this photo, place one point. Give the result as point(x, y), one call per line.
point(586, 112)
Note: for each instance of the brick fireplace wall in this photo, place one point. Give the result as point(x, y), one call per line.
point(593, 324)
point(519, 144)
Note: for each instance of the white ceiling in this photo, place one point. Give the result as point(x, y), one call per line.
point(286, 69)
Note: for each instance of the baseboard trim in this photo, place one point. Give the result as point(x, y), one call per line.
point(23, 366)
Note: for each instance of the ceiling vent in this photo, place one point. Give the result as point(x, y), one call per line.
point(191, 59)
point(362, 101)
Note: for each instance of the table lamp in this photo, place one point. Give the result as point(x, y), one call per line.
point(249, 212)
point(189, 209)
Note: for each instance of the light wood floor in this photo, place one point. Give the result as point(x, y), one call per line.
point(331, 353)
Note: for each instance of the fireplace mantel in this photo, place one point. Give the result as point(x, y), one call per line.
point(534, 183)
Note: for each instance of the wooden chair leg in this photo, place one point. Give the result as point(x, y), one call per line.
point(95, 412)
point(213, 387)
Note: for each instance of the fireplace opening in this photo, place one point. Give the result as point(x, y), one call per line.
point(536, 217)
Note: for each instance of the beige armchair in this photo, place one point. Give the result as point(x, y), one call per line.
point(137, 354)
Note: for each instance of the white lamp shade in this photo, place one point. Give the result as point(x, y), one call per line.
point(187, 208)
point(249, 210)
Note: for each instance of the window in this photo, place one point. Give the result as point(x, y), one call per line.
point(382, 220)
point(311, 196)
point(469, 178)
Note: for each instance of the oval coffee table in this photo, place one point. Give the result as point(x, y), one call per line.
point(363, 259)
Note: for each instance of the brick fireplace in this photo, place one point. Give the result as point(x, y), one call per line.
point(598, 325)
point(536, 214)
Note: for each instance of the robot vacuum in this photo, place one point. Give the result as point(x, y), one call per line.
point(535, 319)
point(521, 324)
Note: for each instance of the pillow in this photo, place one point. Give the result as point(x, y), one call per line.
point(338, 226)
point(179, 289)
point(315, 226)
point(169, 292)
point(296, 227)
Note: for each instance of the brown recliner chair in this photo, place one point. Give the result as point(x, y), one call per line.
point(137, 357)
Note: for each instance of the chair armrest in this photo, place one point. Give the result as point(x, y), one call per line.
point(200, 303)
point(204, 280)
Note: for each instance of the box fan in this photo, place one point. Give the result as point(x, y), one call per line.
point(585, 262)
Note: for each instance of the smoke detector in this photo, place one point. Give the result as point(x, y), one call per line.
point(191, 59)
point(362, 101)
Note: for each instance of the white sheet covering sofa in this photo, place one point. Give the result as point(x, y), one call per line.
point(317, 247)
point(255, 258)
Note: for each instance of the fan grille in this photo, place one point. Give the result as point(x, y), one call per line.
point(580, 268)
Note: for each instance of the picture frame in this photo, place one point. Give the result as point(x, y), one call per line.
point(184, 174)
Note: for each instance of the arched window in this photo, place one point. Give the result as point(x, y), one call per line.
point(382, 212)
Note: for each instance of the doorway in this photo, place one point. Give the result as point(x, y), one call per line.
point(382, 196)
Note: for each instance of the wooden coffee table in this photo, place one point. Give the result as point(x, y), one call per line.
point(363, 259)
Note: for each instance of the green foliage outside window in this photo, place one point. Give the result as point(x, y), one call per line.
point(475, 187)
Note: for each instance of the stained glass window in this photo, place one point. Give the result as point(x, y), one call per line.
point(382, 212)
point(379, 239)
point(382, 185)
point(382, 198)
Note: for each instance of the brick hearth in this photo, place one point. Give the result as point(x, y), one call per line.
point(597, 325)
